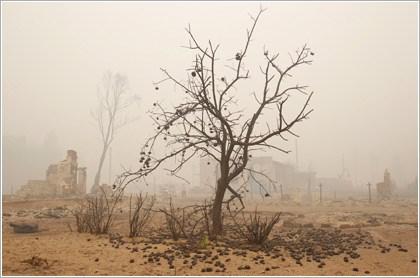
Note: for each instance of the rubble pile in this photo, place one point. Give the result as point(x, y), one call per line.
point(57, 212)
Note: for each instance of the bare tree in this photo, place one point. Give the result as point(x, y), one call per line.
point(109, 115)
point(208, 123)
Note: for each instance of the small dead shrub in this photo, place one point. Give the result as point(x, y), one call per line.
point(254, 228)
point(81, 215)
point(95, 214)
point(207, 223)
point(139, 215)
point(186, 222)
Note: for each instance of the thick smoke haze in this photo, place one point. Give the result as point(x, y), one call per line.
point(364, 75)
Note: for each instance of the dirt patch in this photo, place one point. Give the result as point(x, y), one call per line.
point(309, 245)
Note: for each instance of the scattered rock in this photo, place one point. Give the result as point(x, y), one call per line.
point(37, 261)
point(24, 228)
point(318, 244)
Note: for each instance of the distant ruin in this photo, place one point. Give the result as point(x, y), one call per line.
point(286, 180)
point(386, 188)
point(63, 179)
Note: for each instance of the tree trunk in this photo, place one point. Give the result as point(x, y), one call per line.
point(217, 207)
point(101, 163)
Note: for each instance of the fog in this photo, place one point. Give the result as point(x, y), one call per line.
point(364, 75)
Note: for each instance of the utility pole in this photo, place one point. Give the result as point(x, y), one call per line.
point(370, 198)
point(320, 192)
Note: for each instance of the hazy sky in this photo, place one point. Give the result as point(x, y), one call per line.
point(364, 75)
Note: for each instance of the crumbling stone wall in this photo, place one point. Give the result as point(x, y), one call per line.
point(64, 178)
point(38, 187)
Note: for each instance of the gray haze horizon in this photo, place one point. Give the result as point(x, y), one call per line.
point(364, 75)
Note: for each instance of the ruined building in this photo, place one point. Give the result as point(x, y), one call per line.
point(276, 177)
point(385, 189)
point(62, 179)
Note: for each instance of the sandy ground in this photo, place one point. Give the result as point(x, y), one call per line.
point(71, 253)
